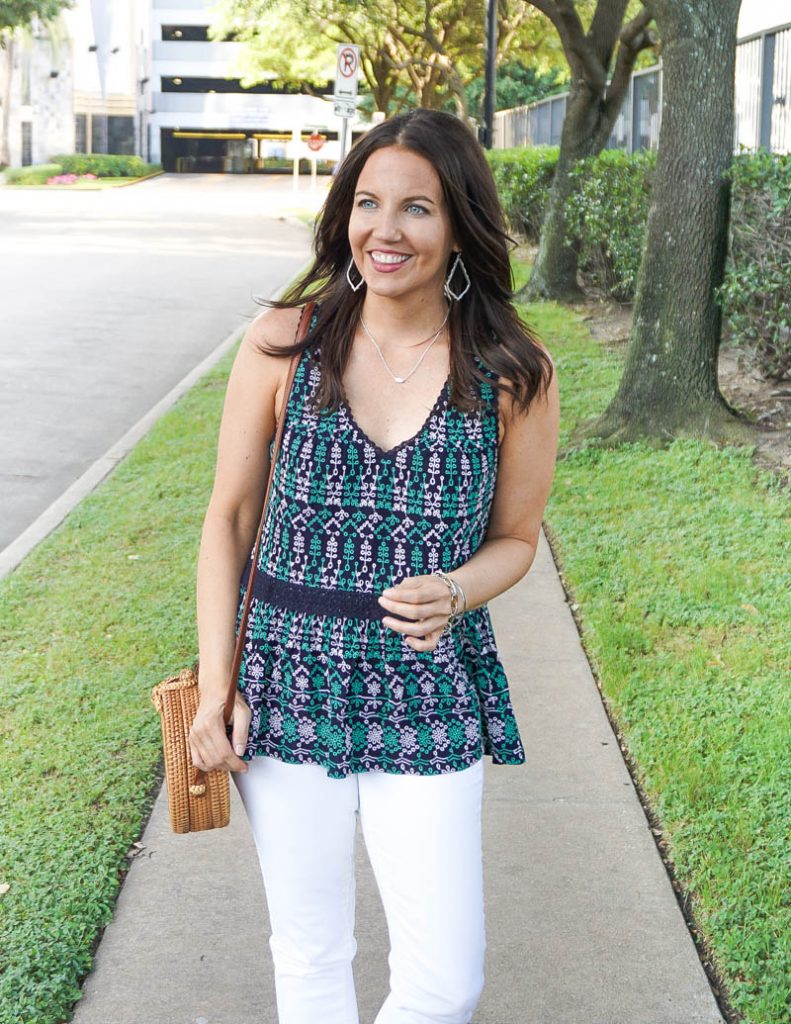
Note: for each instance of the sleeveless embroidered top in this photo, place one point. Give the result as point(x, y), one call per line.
point(327, 682)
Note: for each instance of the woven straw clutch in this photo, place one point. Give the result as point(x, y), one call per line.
point(194, 805)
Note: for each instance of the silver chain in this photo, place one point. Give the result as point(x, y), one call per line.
point(403, 380)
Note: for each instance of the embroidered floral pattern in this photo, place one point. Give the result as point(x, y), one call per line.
point(326, 681)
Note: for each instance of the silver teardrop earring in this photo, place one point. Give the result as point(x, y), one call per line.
point(354, 287)
point(448, 291)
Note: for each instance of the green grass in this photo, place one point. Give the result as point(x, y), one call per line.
point(676, 557)
point(93, 618)
point(679, 559)
point(97, 185)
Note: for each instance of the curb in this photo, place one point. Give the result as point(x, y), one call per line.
point(12, 555)
point(136, 181)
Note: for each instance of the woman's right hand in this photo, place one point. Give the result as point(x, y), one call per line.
point(208, 741)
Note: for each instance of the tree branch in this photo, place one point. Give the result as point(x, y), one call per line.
point(582, 60)
point(606, 24)
point(635, 37)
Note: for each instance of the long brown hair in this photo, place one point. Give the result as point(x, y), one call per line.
point(484, 323)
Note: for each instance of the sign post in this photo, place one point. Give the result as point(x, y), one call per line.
point(296, 135)
point(315, 141)
point(346, 77)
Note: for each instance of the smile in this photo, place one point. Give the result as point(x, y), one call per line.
point(388, 258)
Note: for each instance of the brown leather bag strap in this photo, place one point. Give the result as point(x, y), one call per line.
point(302, 330)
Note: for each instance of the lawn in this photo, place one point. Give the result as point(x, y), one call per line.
point(88, 185)
point(679, 561)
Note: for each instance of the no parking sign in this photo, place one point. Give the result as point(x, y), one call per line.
point(347, 71)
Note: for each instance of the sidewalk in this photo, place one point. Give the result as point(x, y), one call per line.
point(582, 922)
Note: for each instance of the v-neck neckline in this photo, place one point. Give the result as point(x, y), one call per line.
point(389, 452)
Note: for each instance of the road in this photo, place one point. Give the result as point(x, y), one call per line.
point(107, 300)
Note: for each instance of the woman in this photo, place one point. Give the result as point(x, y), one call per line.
point(417, 455)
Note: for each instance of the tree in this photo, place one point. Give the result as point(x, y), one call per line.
point(592, 107)
point(413, 52)
point(516, 85)
point(411, 44)
point(19, 14)
point(669, 385)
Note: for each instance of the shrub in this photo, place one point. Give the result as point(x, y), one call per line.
point(523, 177)
point(279, 163)
point(36, 174)
point(606, 214)
point(104, 165)
point(756, 291)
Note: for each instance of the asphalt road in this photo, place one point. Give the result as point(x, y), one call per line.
point(107, 299)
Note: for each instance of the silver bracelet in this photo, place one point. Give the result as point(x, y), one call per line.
point(464, 598)
point(455, 589)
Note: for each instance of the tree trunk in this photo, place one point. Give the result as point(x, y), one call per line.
point(379, 77)
point(592, 107)
point(669, 384)
point(554, 274)
point(8, 51)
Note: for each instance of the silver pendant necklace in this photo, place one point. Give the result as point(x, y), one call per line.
point(403, 380)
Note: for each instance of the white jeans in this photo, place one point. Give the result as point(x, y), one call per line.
point(423, 837)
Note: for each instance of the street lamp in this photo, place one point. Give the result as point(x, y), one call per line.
point(491, 56)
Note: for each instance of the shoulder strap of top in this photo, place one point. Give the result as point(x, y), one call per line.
point(240, 638)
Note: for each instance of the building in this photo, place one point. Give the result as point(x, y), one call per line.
point(761, 16)
point(198, 116)
point(142, 76)
point(72, 87)
point(106, 37)
point(36, 95)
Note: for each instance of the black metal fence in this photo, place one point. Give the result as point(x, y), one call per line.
point(762, 104)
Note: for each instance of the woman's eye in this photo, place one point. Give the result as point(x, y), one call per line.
point(412, 206)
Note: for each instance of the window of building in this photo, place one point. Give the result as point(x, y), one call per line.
point(121, 135)
point(27, 143)
point(112, 134)
point(80, 133)
point(99, 133)
point(190, 34)
point(185, 33)
point(234, 85)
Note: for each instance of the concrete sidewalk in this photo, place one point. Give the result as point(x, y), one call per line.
point(582, 922)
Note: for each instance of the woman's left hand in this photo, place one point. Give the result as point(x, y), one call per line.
point(425, 601)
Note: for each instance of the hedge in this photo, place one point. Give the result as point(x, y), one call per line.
point(36, 174)
point(104, 165)
point(607, 215)
point(523, 177)
point(756, 292)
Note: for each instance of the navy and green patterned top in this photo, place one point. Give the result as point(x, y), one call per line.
point(326, 681)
